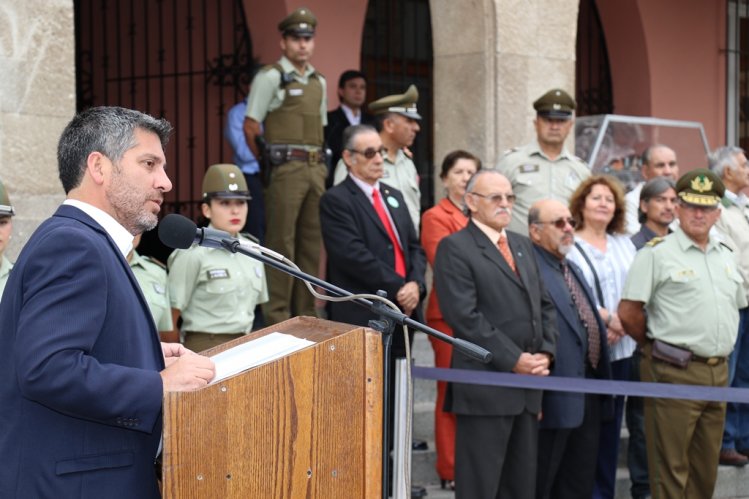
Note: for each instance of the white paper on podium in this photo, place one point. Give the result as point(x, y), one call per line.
point(256, 352)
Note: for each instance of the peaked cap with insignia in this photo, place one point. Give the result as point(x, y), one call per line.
point(225, 181)
point(556, 103)
point(700, 187)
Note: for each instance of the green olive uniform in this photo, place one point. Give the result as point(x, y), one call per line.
point(151, 276)
point(401, 175)
point(5, 267)
point(534, 177)
point(294, 115)
point(692, 299)
point(215, 291)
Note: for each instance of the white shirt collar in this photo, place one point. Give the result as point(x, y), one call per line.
point(354, 119)
point(119, 234)
point(367, 188)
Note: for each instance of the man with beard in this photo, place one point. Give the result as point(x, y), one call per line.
point(571, 423)
point(85, 373)
point(491, 294)
point(544, 169)
point(656, 211)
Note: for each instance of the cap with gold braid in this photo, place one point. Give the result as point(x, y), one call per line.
point(6, 209)
point(225, 181)
point(700, 187)
point(301, 22)
point(404, 104)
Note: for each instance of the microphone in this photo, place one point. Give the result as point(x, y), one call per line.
point(179, 232)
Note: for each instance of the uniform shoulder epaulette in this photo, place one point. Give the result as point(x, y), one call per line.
point(655, 241)
point(250, 237)
point(726, 246)
point(155, 261)
point(509, 151)
point(407, 152)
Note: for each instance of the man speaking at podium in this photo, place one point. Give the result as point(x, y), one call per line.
point(82, 368)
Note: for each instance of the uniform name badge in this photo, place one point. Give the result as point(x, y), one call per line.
point(573, 180)
point(158, 288)
point(296, 92)
point(217, 274)
point(528, 168)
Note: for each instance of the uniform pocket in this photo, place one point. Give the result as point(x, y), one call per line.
point(91, 463)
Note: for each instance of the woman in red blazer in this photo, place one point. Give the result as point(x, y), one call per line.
point(440, 221)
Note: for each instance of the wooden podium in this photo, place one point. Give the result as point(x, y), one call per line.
point(307, 425)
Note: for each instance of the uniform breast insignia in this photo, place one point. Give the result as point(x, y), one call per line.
point(528, 168)
point(295, 92)
point(159, 289)
point(217, 274)
point(654, 242)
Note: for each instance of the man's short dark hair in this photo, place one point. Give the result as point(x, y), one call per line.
point(107, 130)
point(350, 74)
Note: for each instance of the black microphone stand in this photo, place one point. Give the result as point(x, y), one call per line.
point(385, 325)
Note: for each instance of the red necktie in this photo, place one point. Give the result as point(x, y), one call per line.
point(400, 260)
point(504, 248)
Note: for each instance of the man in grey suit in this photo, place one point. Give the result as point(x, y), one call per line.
point(491, 294)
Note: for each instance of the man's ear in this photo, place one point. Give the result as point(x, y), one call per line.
point(96, 164)
point(348, 158)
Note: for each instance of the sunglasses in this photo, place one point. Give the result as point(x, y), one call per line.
point(561, 223)
point(496, 198)
point(370, 152)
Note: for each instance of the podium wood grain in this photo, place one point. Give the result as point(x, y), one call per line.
point(307, 425)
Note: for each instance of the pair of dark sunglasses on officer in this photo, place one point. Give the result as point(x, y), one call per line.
point(561, 223)
point(370, 152)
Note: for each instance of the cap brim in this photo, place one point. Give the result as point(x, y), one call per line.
point(230, 195)
point(699, 199)
point(300, 32)
point(557, 115)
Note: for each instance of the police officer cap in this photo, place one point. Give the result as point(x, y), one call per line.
point(404, 104)
point(6, 209)
point(225, 181)
point(700, 187)
point(556, 103)
point(301, 22)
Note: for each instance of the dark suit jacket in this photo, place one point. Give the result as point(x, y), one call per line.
point(337, 123)
point(566, 410)
point(486, 303)
point(80, 404)
point(360, 253)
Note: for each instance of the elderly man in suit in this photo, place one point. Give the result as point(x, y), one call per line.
point(490, 293)
point(568, 439)
point(84, 373)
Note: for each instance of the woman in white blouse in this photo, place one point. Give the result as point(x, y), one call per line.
point(604, 253)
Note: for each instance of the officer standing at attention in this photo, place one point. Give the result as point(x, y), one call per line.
point(6, 226)
point(397, 122)
point(151, 275)
point(288, 97)
point(544, 169)
point(680, 303)
point(213, 290)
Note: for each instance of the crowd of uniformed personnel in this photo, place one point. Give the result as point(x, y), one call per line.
point(669, 304)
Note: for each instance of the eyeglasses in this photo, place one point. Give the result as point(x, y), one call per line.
point(496, 198)
point(561, 223)
point(370, 152)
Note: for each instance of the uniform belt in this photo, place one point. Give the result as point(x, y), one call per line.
point(710, 361)
point(300, 154)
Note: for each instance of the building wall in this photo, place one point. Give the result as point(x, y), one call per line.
point(37, 99)
point(668, 60)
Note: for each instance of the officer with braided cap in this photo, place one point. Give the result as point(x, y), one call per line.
point(690, 286)
point(215, 291)
point(288, 98)
point(6, 226)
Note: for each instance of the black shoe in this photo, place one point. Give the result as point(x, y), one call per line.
point(419, 445)
point(418, 491)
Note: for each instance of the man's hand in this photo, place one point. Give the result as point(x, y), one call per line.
point(172, 351)
point(408, 297)
point(186, 371)
point(536, 364)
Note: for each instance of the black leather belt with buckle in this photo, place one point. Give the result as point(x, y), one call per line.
point(310, 156)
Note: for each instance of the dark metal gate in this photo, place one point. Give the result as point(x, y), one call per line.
point(396, 52)
point(188, 61)
point(592, 74)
